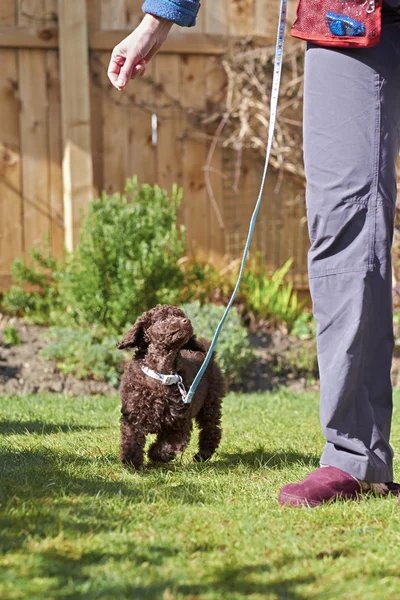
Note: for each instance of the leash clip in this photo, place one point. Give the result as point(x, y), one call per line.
point(182, 389)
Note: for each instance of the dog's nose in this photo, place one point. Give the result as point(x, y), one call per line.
point(185, 321)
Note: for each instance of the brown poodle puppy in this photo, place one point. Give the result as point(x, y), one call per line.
point(165, 344)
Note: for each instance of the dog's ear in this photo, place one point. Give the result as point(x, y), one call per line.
point(195, 345)
point(135, 338)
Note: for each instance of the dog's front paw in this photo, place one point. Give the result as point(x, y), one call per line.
point(201, 457)
point(160, 453)
point(130, 464)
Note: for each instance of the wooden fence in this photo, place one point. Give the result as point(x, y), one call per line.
point(65, 134)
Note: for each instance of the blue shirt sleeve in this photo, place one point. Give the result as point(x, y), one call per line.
point(181, 12)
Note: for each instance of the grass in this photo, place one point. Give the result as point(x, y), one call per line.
point(74, 524)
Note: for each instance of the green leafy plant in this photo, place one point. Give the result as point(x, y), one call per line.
point(42, 301)
point(84, 354)
point(233, 351)
point(305, 327)
point(11, 336)
point(127, 258)
point(268, 296)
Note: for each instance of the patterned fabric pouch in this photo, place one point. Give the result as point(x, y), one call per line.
point(340, 23)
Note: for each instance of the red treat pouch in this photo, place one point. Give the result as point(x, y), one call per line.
point(340, 23)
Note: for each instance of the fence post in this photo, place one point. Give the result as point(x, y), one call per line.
point(75, 106)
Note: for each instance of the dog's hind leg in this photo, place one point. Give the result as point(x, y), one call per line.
point(132, 445)
point(209, 421)
point(168, 444)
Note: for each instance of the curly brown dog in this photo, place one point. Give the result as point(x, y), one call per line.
point(165, 344)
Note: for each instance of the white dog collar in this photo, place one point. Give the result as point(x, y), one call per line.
point(166, 379)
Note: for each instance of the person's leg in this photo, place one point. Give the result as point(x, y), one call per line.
point(351, 142)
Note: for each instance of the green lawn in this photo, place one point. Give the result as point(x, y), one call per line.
point(74, 524)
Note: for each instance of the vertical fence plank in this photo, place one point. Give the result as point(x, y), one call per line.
point(169, 146)
point(264, 20)
point(34, 133)
point(216, 84)
point(112, 14)
point(216, 22)
point(11, 226)
point(216, 16)
point(134, 13)
point(93, 15)
point(127, 122)
point(141, 150)
point(194, 152)
point(242, 17)
point(77, 159)
point(115, 135)
point(8, 12)
point(57, 232)
point(97, 78)
point(97, 74)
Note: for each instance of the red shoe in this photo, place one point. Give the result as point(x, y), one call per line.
point(329, 484)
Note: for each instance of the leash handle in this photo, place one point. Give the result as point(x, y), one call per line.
point(272, 122)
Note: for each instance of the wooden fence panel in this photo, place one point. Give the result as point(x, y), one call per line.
point(213, 174)
point(97, 69)
point(195, 201)
point(11, 230)
point(34, 136)
point(56, 207)
point(241, 15)
point(112, 14)
point(148, 131)
point(167, 73)
point(34, 131)
point(216, 20)
point(134, 13)
point(76, 118)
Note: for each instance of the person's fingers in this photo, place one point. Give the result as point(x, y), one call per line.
point(121, 67)
point(126, 71)
point(138, 70)
point(114, 68)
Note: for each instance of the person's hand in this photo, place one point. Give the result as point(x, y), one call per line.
point(130, 57)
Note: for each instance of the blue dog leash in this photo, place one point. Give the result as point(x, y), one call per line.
point(272, 122)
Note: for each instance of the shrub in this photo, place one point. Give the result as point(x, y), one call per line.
point(303, 360)
point(43, 275)
point(207, 283)
point(84, 354)
point(233, 350)
point(127, 260)
point(268, 296)
point(127, 257)
point(11, 336)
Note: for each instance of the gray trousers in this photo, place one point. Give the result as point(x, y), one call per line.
point(351, 143)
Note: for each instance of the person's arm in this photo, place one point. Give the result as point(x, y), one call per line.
point(130, 57)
